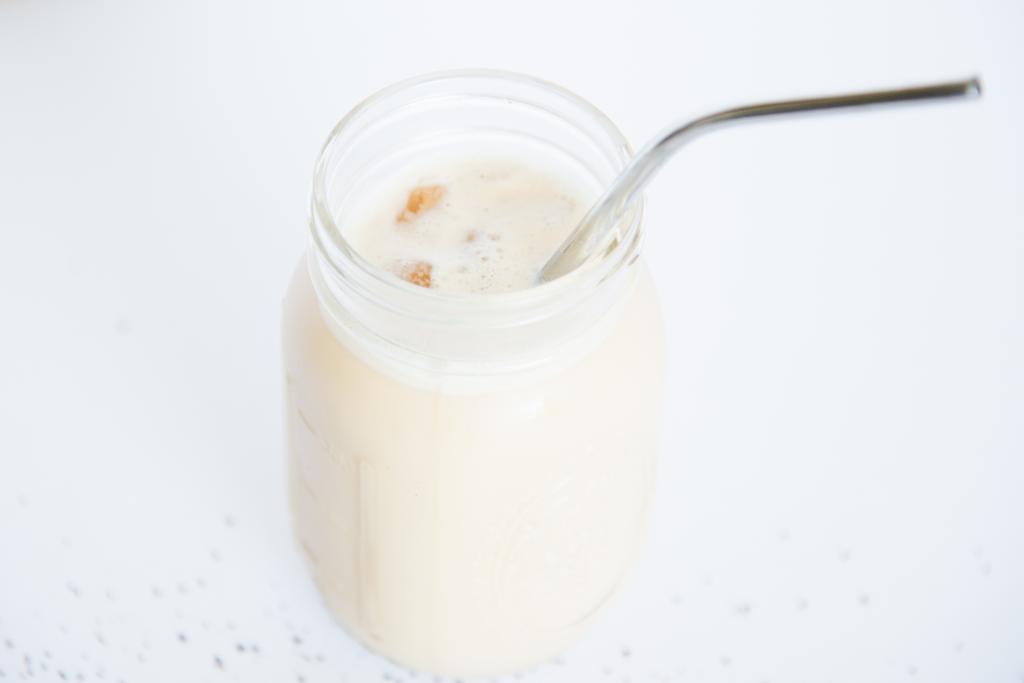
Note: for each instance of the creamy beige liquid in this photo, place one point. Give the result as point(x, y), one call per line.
point(470, 534)
point(471, 224)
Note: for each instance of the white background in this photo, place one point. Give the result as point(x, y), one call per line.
point(841, 494)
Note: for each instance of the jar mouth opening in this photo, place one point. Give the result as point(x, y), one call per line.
point(338, 254)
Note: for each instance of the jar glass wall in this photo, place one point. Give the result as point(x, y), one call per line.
point(469, 473)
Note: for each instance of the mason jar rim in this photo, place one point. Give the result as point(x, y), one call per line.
point(343, 256)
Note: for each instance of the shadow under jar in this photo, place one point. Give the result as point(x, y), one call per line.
point(469, 473)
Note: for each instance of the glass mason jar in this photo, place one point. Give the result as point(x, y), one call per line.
point(469, 473)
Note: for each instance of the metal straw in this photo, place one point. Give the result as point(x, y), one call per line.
point(596, 231)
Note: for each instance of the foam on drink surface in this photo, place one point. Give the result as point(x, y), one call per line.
point(468, 223)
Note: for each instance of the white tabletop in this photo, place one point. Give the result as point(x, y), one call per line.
point(841, 492)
